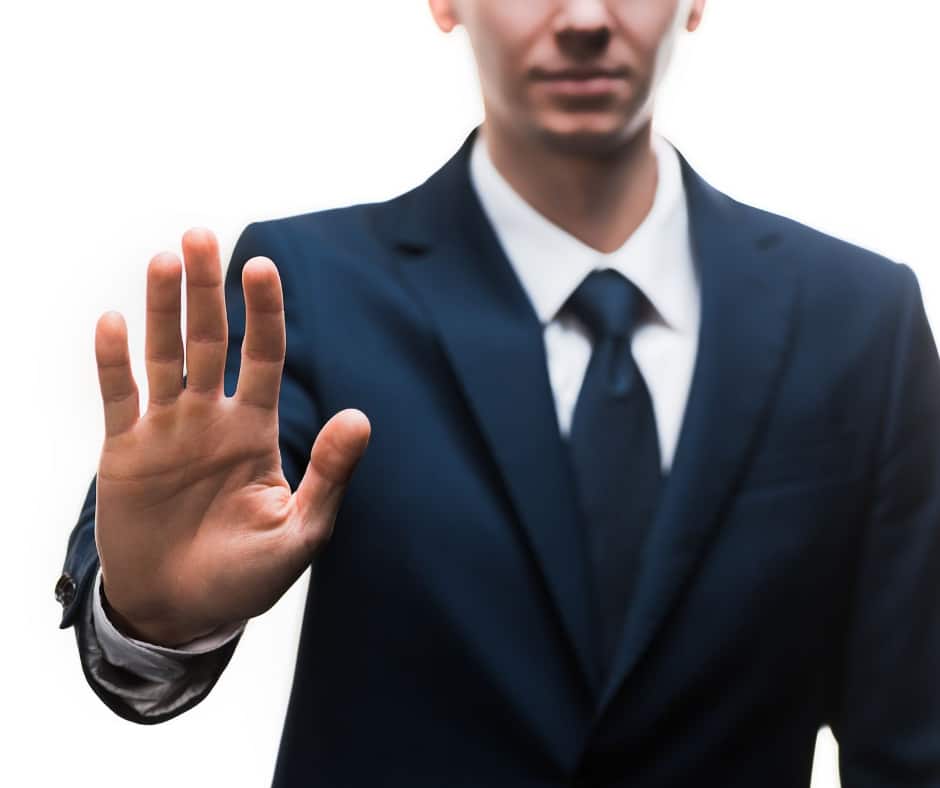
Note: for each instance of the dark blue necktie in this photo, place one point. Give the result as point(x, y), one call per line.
point(614, 447)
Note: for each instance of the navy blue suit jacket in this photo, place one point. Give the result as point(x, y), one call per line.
point(791, 577)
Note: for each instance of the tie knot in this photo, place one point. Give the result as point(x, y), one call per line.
point(607, 303)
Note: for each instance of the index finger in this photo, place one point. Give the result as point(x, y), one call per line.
point(264, 346)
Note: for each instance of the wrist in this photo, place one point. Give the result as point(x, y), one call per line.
point(156, 632)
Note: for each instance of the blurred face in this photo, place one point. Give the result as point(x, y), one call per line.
point(579, 74)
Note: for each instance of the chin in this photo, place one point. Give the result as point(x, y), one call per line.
point(596, 135)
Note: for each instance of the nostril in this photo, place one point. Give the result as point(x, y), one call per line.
point(582, 43)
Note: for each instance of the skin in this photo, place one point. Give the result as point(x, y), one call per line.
point(584, 162)
point(195, 523)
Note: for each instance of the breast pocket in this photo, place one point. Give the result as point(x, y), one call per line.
point(800, 465)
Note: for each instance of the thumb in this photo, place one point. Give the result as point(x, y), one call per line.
point(336, 451)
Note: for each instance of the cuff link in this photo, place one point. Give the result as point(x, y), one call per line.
point(65, 590)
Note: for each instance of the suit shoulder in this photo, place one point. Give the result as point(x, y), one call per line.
point(334, 232)
point(820, 246)
point(834, 265)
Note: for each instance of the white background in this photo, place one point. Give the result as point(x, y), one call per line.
point(125, 123)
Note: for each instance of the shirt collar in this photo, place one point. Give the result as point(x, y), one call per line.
point(551, 263)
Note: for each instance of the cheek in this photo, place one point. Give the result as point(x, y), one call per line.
point(650, 29)
point(648, 24)
point(505, 35)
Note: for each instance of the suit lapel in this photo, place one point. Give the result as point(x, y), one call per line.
point(748, 291)
point(493, 340)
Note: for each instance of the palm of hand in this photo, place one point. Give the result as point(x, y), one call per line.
point(196, 525)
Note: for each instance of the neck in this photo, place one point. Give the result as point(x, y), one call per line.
point(599, 200)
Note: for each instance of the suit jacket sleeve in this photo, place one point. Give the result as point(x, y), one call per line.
point(145, 699)
point(887, 716)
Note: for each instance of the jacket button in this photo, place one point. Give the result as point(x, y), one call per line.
point(65, 590)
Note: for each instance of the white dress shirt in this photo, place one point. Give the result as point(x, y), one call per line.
point(550, 263)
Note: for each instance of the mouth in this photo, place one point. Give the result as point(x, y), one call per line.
point(581, 81)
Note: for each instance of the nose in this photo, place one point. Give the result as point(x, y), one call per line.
point(582, 28)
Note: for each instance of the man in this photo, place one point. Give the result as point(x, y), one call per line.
point(651, 485)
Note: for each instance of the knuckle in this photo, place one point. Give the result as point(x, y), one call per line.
point(119, 396)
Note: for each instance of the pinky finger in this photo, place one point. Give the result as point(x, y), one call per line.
point(118, 389)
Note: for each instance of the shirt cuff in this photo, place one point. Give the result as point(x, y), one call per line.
point(148, 660)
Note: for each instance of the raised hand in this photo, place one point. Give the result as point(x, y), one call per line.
point(195, 524)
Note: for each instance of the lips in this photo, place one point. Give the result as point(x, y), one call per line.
point(578, 74)
point(582, 87)
point(581, 84)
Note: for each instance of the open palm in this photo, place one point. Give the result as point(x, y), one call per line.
point(195, 523)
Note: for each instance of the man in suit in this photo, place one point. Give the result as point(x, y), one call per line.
point(652, 485)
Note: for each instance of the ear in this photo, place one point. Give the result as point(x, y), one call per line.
point(444, 14)
point(695, 15)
